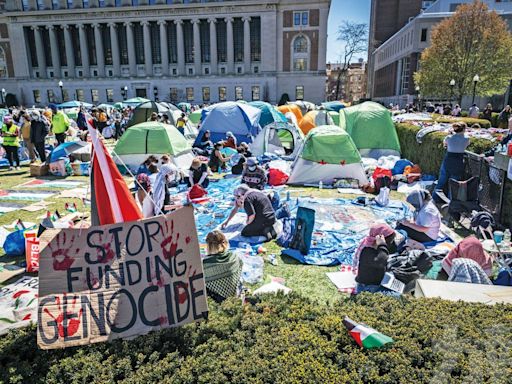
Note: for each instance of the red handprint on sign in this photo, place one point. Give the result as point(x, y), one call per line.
point(73, 323)
point(108, 254)
point(62, 261)
point(182, 296)
point(170, 244)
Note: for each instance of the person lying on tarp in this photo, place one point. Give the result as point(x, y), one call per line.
point(260, 214)
point(427, 223)
point(222, 268)
point(371, 259)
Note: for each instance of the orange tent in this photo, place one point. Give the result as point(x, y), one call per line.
point(314, 119)
point(295, 109)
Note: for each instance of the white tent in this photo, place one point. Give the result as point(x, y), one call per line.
point(278, 138)
point(328, 153)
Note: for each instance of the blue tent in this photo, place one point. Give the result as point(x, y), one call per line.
point(74, 104)
point(269, 114)
point(333, 105)
point(64, 149)
point(239, 119)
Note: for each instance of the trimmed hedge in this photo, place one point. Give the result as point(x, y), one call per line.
point(288, 339)
point(429, 155)
point(468, 120)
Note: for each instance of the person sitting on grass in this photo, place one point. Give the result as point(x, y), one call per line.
point(198, 174)
point(427, 222)
point(260, 214)
point(254, 176)
point(217, 159)
point(371, 259)
point(222, 268)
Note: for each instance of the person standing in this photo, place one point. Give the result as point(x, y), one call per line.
point(474, 111)
point(453, 163)
point(180, 124)
point(487, 113)
point(25, 135)
point(11, 143)
point(504, 117)
point(60, 124)
point(39, 129)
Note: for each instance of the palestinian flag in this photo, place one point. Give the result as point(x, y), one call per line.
point(365, 336)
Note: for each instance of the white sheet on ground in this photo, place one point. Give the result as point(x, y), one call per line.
point(343, 279)
point(273, 287)
point(416, 186)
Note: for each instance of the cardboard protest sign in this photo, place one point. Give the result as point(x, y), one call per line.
point(18, 304)
point(120, 280)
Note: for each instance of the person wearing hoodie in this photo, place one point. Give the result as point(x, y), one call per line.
point(39, 129)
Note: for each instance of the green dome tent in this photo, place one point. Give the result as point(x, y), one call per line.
point(328, 153)
point(371, 128)
point(152, 138)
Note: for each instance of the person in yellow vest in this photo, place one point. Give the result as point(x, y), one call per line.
point(11, 142)
point(25, 135)
point(60, 124)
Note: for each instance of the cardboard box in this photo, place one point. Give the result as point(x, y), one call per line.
point(38, 169)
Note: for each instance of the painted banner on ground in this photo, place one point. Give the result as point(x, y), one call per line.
point(18, 304)
point(119, 280)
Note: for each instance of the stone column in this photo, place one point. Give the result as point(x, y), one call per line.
point(70, 56)
point(213, 46)
point(41, 61)
point(131, 49)
point(230, 47)
point(164, 47)
point(54, 47)
point(181, 49)
point(114, 46)
point(86, 69)
point(100, 57)
point(247, 44)
point(197, 47)
point(148, 57)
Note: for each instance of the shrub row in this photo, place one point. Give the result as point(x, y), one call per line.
point(430, 153)
point(288, 339)
point(468, 120)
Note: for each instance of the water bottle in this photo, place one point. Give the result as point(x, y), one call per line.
point(506, 237)
point(320, 184)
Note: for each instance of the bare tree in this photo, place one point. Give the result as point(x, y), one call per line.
point(354, 37)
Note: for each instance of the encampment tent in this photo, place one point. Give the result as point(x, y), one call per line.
point(240, 119)
point(327, 153)
point(133, 102)
point(335, 116)
point(314, 119)
point(152, 138)
point(370, 126)
point(269, 114)
point(291, 108)
point(333, 105)
point(305, 106)
point(143, 112)
point(278, 138)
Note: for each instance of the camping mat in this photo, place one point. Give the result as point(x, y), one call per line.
point(340, 225)
point(38, 183)
point(25, 195)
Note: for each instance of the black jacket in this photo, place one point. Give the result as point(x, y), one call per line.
point(38, 131)
point(372, 265)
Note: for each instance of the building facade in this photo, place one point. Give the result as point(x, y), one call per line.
point(352, 87)
point(396, 60)
point(386, 18)
point(174, 50)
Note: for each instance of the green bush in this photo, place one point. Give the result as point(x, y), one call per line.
point(288, 339)
point(429, 155)
point(468, 120)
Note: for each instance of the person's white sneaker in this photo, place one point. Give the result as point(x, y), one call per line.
point(18, 168)
point(11, 168)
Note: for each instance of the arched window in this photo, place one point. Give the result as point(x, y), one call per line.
point(300, 53)
point(3, 63)
point(300, 45)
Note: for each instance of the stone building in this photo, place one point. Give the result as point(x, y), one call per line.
point(175, 50)
point(352, 87)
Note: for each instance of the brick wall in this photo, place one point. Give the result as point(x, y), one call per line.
point(313, 52)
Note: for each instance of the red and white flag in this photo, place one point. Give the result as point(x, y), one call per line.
point(111, 200)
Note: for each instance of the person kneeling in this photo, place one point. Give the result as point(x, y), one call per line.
point(427, 223)
point(222, 268)
point(260, 214)
point(371, 259)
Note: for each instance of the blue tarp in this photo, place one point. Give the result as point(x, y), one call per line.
point(240, 119)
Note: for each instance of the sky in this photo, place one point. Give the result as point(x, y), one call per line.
point(341, 10)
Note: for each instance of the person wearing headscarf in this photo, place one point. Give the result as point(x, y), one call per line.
point(161, 191)
point(11, 142)
point(468, 271)
point(222, 268)
point(254, 175)
point(39, 129)
point(371, 258)
point(230, 140)
point(143, 196)
point(469, 248)
point(427, 222)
